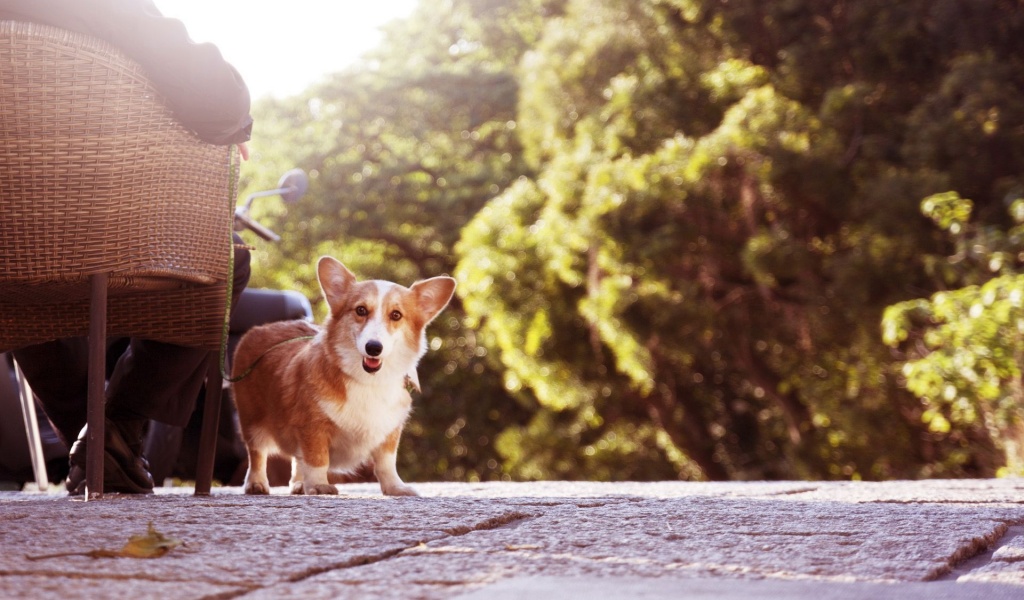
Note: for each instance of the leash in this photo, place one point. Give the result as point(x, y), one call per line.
point(233, 194)
point(235, 166)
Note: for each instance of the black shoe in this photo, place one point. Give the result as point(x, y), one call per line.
point(125, 470)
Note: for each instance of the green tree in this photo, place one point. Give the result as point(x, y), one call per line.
point(965, 347)
point(725, 203)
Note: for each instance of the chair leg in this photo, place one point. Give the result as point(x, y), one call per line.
point(211, 424)
point(96, 409)
point(35, 443)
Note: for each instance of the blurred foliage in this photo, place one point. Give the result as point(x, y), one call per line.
point(964, 347)
point(676, 226)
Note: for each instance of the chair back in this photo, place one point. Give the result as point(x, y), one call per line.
point(96, 176)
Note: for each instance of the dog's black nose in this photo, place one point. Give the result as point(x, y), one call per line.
point(374, 348)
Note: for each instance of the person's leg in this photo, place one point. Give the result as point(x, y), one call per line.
point(161, 382)
point(58, 374)
point(154, 380)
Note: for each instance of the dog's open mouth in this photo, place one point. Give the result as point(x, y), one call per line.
point(372, 364)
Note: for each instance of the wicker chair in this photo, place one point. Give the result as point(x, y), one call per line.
point(114, 219)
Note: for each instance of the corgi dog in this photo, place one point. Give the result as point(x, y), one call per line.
point(335, 397)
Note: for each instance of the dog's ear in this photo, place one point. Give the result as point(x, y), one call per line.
point(432, 295)
point(335, 280)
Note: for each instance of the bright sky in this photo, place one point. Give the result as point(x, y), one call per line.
point(282, 47)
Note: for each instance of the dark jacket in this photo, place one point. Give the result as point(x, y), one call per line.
point(206, 94)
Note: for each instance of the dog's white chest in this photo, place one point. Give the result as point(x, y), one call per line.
point(364, 420)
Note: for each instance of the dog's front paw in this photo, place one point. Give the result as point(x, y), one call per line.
point(257, 488)
point(320, 488)
point(399, 489)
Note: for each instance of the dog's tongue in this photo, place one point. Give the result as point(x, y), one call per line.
point(371, 364)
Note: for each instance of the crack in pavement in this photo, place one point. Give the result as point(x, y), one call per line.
point(492, 523)
point(785, 533)
point(238, 588)
point(504, 520)
point(803, 490)
point(51, 573)
point(978, 555)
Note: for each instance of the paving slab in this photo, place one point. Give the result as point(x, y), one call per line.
point(541, 539)
point(535, 588)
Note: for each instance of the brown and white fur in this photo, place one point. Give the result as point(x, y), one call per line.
point(339, 400)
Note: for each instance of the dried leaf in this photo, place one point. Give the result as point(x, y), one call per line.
point(151, 544)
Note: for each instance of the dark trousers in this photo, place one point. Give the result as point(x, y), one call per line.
point(145, 379)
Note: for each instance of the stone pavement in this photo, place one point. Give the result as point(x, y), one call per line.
point(803, 540)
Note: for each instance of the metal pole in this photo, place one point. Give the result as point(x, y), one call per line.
point(35, 442)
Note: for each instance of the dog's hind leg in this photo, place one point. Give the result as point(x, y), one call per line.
point(384, 457)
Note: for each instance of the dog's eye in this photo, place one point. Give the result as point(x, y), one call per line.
point(395, 315)
point(362, 311)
